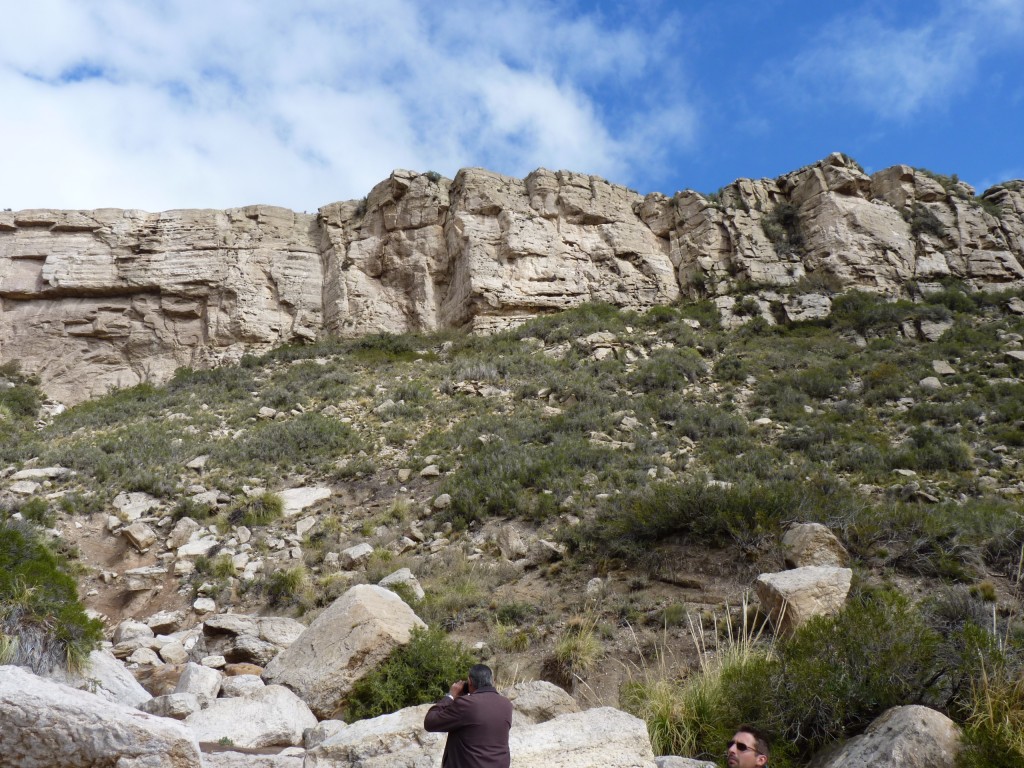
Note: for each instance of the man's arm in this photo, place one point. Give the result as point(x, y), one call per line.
point(445, 714)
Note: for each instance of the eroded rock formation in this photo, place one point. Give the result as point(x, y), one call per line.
point(91, 300)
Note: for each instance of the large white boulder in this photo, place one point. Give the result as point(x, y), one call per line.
point(231, 759)
point(813, 544)
point(269, 717)
point(604, 737)
point(792, 597)
point(538, 701)
point(44, 724)
point(353, 635)
point(389, 741)
point(105, 676)
point(902, 737)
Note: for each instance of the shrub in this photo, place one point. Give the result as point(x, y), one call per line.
point(668, 369)
point(42, 622)
point(257, 510)
point(923, 220)
point(745, 513)
point(37, 510)
point(577, 650)
point(837, 674)
point(695, 716)
point(22, 401)
point(781, 225)
point(931, 450)
point(285, 586)
point(416, 673)
point(309, 439)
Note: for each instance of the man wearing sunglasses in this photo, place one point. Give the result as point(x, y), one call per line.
point(748, 748)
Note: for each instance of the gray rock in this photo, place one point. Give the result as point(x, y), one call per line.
point(902, 737)
point(790, 598)
point(353, 634)
point(177, 706)
point(43, 723)
point(267, 717)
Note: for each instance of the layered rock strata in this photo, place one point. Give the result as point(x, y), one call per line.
point(91, 300)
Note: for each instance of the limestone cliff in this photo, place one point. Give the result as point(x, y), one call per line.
point(91, 300)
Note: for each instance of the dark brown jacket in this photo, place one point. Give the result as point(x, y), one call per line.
point(477, 725)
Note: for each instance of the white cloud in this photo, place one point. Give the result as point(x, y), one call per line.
point(898, 70)
point(190, 103)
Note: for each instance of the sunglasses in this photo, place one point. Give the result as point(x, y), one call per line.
point(741, 747)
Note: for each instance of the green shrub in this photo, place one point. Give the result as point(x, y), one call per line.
point(781, 225)
point(668, 369)
point(285, 586)
point(309, 439)
point(745, 513)
point(37, 510)
point(22, 401)
point(837, 674)
point(931, 450)
point(41, 618)
point(263, 509)
point(577, 650)
point(923, 220)
point(416, 673)
point(867, 312)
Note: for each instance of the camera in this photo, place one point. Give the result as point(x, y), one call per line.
point(464, 689)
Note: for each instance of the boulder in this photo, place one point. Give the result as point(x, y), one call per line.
point(902, 737)
point(177, 706)
point(231, 759)
point(355, 557)
point(790, 598)
point(813, 544)
point(268, 717)
point(538, 701)
point(280, 630)
point(389, 741)
point(44, 724)
point(510, 543)
point(165, 621)
point(352, 636)
point(105, 676)
point(674, 761)
point(200, 680)
point(181, 532)
point(603, 737)
point(145, 578)
point(404, 577)
point(240, 685)
point(297, 499)
point(140, 536)
point(129, 629)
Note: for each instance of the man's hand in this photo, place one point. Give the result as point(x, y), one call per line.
point(457, 689)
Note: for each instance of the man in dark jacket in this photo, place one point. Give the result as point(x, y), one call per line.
point(477, 720)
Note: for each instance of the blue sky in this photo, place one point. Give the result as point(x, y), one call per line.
point(165, 104)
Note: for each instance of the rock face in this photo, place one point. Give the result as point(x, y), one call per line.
point(47, 725)
point(96, 299)
point(353, 635)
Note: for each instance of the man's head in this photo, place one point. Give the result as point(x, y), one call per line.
point(479, 676)
point(748, 748)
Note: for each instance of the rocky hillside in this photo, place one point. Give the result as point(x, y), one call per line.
point(587, 499)
point(91, 300)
